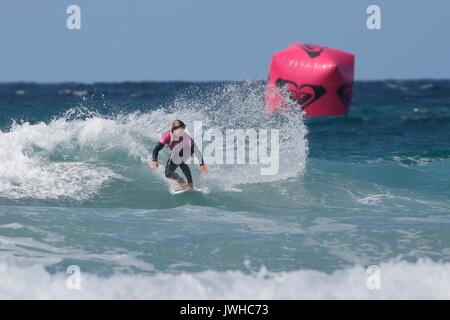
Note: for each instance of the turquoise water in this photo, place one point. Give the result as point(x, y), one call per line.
point(370, 188)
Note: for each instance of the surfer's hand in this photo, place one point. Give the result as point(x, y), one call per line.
point(203, 169)
point(154, 164)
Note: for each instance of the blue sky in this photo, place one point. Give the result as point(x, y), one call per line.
point(201, 40)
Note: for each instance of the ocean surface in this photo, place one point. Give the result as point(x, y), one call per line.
point(369, 188)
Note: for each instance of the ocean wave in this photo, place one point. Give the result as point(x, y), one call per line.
point(79, 154)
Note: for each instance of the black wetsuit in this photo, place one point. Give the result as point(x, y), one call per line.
point(171, 166)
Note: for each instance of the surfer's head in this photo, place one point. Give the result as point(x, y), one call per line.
point(178, 127)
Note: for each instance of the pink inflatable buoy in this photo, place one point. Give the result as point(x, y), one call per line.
point(316, 79)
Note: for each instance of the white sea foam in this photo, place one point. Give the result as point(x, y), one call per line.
point(28, 172)
point(399, 280)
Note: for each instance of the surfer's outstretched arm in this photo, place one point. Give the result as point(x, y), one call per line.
point(198, 154)
point(155, 153)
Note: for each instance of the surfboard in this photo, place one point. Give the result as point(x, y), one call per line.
point(179, 190)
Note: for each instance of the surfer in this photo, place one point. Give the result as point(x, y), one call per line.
point(176, 138)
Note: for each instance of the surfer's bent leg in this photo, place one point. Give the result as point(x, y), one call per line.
point(187, 172)
point(170, 172)
point(185, 168)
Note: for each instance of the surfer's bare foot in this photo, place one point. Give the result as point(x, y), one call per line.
point(187, 186)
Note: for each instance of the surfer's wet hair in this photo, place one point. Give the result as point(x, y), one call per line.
point(176, 124)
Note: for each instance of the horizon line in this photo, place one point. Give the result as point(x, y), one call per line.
point(196, 81)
